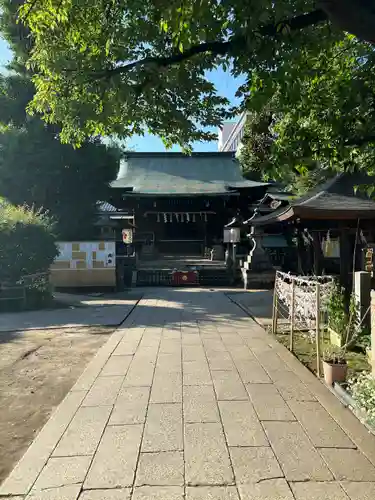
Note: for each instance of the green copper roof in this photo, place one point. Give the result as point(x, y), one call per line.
point(179, 174)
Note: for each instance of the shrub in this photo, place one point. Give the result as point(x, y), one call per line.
point(363, 392)
point(27, 245)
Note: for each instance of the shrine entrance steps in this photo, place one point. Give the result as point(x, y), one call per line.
point(182, 271)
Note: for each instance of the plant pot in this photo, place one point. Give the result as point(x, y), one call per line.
point(334, 372)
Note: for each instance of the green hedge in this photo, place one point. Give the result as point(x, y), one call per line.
point(27, 246)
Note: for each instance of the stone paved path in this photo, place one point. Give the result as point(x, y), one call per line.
point(191, 399)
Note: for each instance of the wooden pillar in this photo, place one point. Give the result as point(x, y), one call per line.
point(373, 332)
point(362, 293)
point(300, 253)
point(346, 260)
point(317, 254)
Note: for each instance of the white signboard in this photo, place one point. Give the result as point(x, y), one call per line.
point(127, 236)
point(232, 235)
point(86, 254)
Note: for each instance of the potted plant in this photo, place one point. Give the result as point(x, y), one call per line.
point(335, 367)
point(342, 323)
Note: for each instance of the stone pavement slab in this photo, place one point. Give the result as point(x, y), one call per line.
point(168, 346)
point(167, 388)
point(200, 404)
point(63, 493)
point(220, 361)
point(228, 386)
point(116, 365)
point(290, 387)
point(322, 430)
point(193, 353)
point(192, 339)
point(359, 490)
point(84, 432)
point(318, 491)
point(268, 402)
point(272, 489)
point(131, 406)
point(348, 465)
point(232, 339)
point(104, 391)
point(163, 429)
point(164, 468)
point(116, 494)
point(240, 353)
point(140, 373)
point(206, 455)
point(299, 460)
point(62, 471)
point(212, 493)
point(270, 360)
point(252, 464)
point(191, 399)
point(251, 372)
point(196, 373)
point(114, 464)
point(168, 363)
point(241, 424)
point(158, 493)
point(127, 347)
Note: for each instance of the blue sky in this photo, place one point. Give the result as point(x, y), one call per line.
point(224, 82)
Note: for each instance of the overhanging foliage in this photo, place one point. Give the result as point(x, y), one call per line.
point(125, 67)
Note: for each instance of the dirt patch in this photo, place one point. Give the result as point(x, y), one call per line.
point(37, 369)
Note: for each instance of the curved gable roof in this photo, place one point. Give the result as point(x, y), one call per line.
point(179, 174)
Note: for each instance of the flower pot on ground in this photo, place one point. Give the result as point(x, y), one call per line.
point(335, 367)
point(334, 372)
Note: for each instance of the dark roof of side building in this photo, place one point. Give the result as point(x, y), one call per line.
point(337, 199)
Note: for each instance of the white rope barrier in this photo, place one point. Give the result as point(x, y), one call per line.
point(299, 295)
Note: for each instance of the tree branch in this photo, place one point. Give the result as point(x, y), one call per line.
point(295, 24)
point(217, 48)
point(221, 48)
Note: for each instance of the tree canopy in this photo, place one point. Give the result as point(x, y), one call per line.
point(126, 67)
point(38, 171)
point(314, 115)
